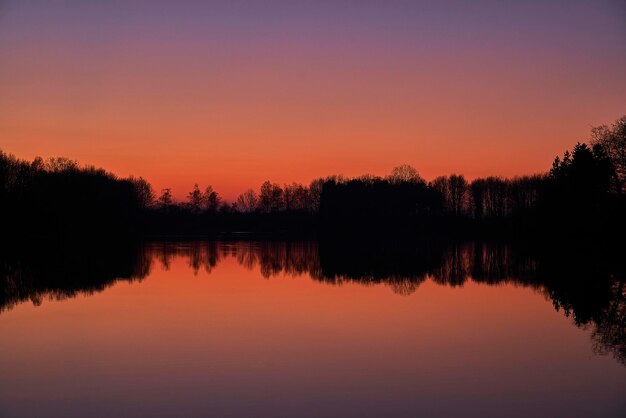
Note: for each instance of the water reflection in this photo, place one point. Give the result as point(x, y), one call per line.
point(586, 286)
point(41, 272)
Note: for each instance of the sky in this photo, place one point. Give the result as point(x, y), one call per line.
point(233, 93)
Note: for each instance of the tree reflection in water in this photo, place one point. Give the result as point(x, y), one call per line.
point(588, 286)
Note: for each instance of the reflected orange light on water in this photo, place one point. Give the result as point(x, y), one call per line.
point(233, 341)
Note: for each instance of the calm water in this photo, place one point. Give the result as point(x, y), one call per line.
point(306, 329)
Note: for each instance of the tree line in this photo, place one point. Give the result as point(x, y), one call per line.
point(583, 190)
point(57, 196)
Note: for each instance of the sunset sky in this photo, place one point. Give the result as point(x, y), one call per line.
point(232, 93)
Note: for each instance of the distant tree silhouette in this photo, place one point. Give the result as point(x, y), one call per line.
point(441, 186)
point(612, 141)
point(271, 198)
point(212, 199)
point(315, 191)
point(495, 197)
point(166, 199)
point(405, 174)
point(143, 191)
point(579, 188)
point(195, 198)
point(583, 192)
point(453, 191)
point(477, 194)
point(296, 197)
point(524, 192)
point(402, 201)
point(247, 202)
point(60, 165)
point(458, 193)
point(59, 197)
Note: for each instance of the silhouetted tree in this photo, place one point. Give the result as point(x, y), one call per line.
point(369, 204)
point(247, 202)
point(583, 190)
point(296, 197)
point(195, 198)
point(59, 197)
point(478, 191)
point(442, 187)
point(271, 198)
point(315, 190)
point(453, 192)
point(165, 200)
point(60, 164)
point(612, 140)
point(405, 174)
point(495, 197)
point(143, 191)
point(212, 199)
point(458, 192)
point(579, 188)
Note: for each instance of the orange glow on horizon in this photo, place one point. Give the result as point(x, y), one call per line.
point(237, 102)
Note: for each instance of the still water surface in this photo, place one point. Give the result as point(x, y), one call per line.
point(296, 329)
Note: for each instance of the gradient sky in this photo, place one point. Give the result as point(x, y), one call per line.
point(231, 93)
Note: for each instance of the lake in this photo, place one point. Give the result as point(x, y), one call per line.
point(311, 329)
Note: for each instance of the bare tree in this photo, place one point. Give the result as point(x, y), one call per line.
point(143, 191)
point(477, 194)
point(458, 190)
point(59, 164)
point(195, 198)
point(271, 198)
point(442, 186)
point(165, 199)
point(211, 199)
point(315, 190)
point(296, 197)
point(404, 174)
point(247, 201)
point(613, 142)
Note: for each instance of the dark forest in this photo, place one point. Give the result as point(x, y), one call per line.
point(582, 193)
